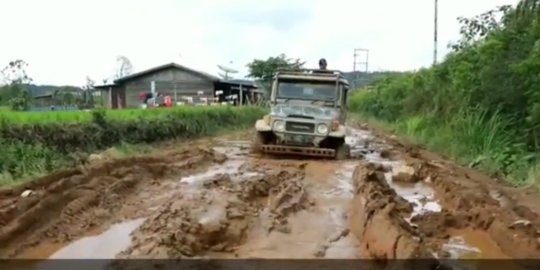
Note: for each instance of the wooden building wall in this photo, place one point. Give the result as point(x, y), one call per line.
point(174, 82)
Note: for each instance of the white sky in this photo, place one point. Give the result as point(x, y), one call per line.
point(65, 40)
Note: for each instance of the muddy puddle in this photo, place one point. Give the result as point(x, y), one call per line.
point(321, 230)
point(241, 205)
point(286, 208)
point(103, 246)
point(419, 194)
point(472, 244)
point(462, 244)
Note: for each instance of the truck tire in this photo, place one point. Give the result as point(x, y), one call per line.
point(343, 151)
point(258, 141)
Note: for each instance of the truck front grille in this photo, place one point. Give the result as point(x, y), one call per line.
point(300, 127)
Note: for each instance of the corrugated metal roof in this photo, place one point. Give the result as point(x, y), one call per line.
point(45, 95)
point(104, 86)
point(239, 81)
point(167, 66)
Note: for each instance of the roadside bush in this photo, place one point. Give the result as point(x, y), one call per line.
point(481, 105)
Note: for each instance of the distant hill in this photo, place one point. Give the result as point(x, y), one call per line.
point(39, 90)
point(8, 93)
point(356, 79)
point(359, 79)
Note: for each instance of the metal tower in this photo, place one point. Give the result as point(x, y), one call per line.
point(361, 58)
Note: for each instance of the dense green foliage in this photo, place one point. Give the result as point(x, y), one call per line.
point(482, 103)
point(264, 70)
point(40, 142)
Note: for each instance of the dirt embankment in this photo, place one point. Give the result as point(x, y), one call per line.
point(476, 217)
point(379, 219)
point(390, 201)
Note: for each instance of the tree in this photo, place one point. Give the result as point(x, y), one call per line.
point(14, 76)
point(21, 102)
point(87, 97)
point(15, 73)
point(125, 67)
point(480, 26)
point(264, 70)
point(89, 83)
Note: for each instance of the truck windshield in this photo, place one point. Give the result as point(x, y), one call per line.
point(307, 90)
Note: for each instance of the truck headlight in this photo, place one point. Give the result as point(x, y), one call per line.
point(322, 129)
point(279, 125)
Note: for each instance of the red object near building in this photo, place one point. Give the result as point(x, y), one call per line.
point(142, 96)
point(168, 101)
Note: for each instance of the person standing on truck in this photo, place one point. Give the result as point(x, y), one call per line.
point(322, 64)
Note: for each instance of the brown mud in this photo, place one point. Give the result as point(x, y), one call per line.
point(213, 199)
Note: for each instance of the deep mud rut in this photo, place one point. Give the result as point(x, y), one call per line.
point(214, 199)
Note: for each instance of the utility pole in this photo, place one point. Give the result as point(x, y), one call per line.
point(435, 33)
point(358, 62)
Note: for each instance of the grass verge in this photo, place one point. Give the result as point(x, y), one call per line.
point(471, 138)
point(36, 144)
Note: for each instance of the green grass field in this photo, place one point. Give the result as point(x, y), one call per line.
point(73, 117)
point(34, 143)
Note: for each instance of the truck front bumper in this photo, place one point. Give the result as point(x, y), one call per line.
point(304, 140)
point(298, 150)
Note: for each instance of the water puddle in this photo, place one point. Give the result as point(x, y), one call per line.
point(233, 149)
point(229, 167)
point(343, 186)
point(43, 250)
point(239, 143)
point(344, 248)
point(337, 203)
point(215, 213)
point(235, 152)
point(420, 195)
point(318, 231)
point(496, 195)
point(463, 244)
point(310, 236)
point(458, 248)
point(469, 249)
point(472, 244)
point(103, 246)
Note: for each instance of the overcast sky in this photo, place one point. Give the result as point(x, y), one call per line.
point(65, 40)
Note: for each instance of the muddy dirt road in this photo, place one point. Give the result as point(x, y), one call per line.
point(213, 199)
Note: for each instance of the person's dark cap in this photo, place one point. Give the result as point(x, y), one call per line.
point(322, 61)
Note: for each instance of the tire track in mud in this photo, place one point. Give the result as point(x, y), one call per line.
point(254, 208)
point(388, 202)
point(67, 205)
